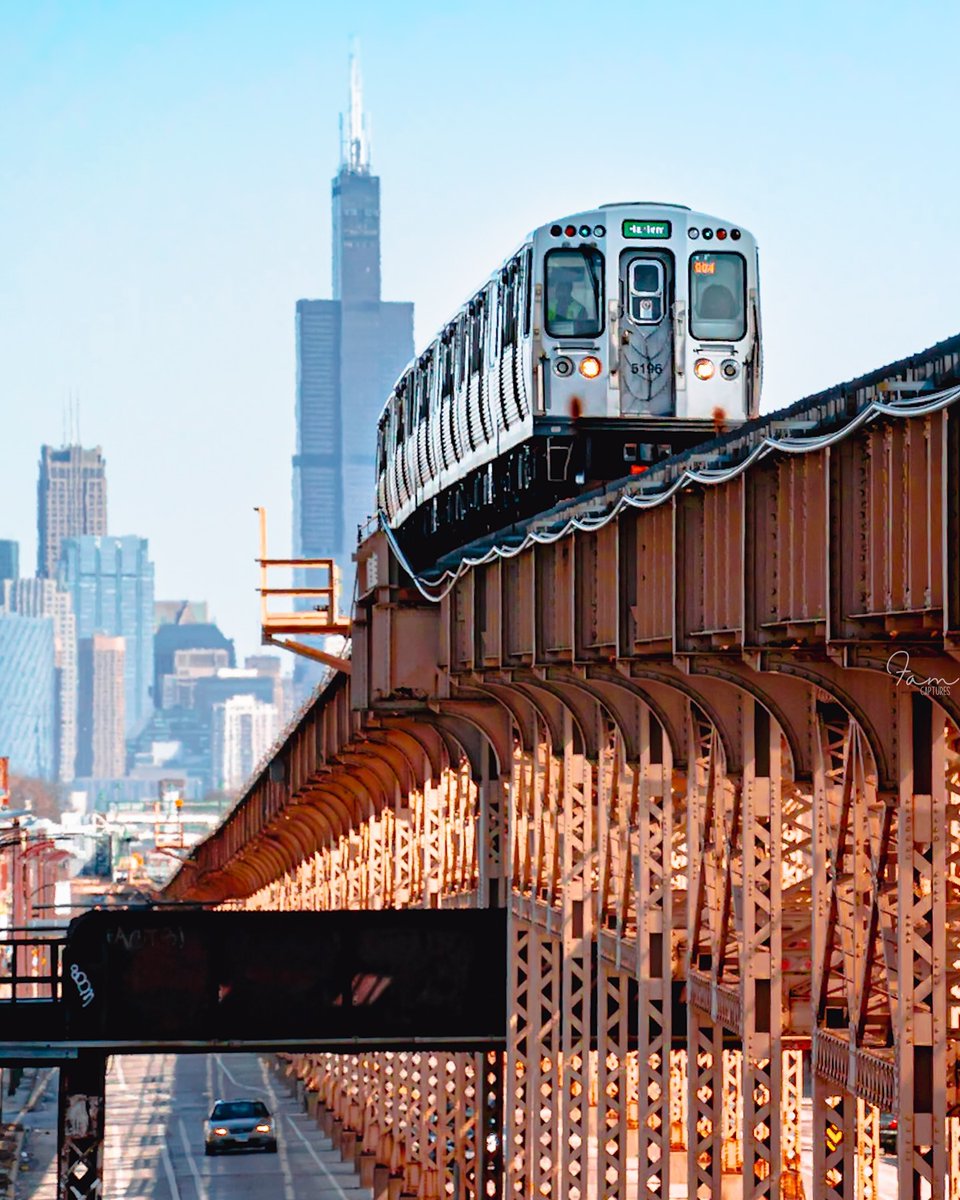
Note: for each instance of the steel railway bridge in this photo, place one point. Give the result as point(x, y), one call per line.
point(700, 736)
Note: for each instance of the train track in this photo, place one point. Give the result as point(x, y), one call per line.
point(922, 383)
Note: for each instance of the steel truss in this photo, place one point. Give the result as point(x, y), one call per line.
point(682, 753)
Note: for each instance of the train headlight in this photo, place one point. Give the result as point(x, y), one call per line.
point(703, 368)
point(563, 366)
point(590, 367)
point(729, 368)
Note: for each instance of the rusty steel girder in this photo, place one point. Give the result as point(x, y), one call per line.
point(707, 756)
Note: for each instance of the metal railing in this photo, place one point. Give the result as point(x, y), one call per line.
point(31, 967)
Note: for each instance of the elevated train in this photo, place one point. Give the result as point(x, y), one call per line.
point(608, 340)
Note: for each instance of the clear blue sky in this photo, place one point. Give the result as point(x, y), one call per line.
point(164, 201)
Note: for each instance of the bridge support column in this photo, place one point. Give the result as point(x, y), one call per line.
point(921, 943)
point(613, 1085)
point(653, 890)
point(704, 1109)
point(834, 1142)
point(577, 978)
point(762, 955)
point(81, 1126)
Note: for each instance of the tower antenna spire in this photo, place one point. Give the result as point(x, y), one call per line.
point(356, 156)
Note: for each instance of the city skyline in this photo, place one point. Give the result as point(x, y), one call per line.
point(197, 219)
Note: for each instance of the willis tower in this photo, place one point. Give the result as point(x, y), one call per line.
point(350, 351)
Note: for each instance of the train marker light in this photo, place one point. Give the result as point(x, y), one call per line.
point(570, 230)
point(556, 230)
point(721, 235)
point(693, 233)
point(708, 233)
point(590, 367)
point(563, 366)
point(703, 368)
point(584, 231)
point(599, 231)
point(735, 234)
point(729, 368)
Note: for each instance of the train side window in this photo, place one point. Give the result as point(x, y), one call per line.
point(400, 413)
point(382, 445)
point(476, 335)
point(446, 363)
point(646, 291)
point(527, 276)
point(508, 310)
point(718, 296)
point(574, 280)
point(423, 390)
point(491, 326)
point(460, 352)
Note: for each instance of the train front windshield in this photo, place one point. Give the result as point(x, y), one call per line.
point(574, 292)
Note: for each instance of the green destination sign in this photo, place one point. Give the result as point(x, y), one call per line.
point(646, 229)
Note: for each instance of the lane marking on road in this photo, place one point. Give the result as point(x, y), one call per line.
point(244, 1087)
point(194, 1170)
point(168, 1169)
point(316, 1158)
point(289, 1191)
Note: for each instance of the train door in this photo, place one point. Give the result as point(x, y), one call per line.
point(646, 334)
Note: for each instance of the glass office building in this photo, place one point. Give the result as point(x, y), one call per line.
point(111, 580)
point(28, 694)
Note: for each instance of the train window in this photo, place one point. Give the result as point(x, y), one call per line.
point(574, 292)
point(718, 297)
point(446, 363)
point(400, 413)
point(646, 291)
point(426, 383)
point(382, 445)
point(476, 335)
point(527, 276)
point(508, 305)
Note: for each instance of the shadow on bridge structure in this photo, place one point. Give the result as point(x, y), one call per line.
point(698, 737)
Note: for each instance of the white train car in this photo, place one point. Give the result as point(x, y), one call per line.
point(608, 340)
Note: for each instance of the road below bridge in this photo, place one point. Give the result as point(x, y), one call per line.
point(156, 1105)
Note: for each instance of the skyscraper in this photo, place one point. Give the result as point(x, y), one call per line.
point(42, 598)
point(111, 581)
point(71, 500)
point(9, 560)
point(243, 730)
point(101, 746)
point(350, 351)
point(27, 694)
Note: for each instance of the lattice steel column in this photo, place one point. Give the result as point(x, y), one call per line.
point(760, 968)
point(577, 982)
point(791, 1112)
point(834, 1142)
point(545, 1053)
point(922, 944)
point(517, 1151)
point(652, 814)
point(705, 1092)
point(612, 1049)
point(732, 1107)
point(868, 1151)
